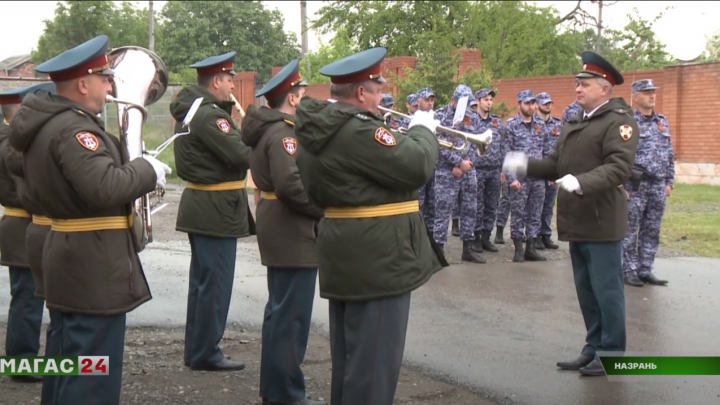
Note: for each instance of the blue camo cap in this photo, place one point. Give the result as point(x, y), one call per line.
point(543, 98)
point(525, 96)
point(412, 99)
point(472, 101)
point(482, 93)
point(642, 85)
point(387, 100)
point(425, 93)
point(462, 91)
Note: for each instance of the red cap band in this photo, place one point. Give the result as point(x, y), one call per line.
point(219, 68)
point(370, 73)
point(289, 83)
point(13, 99)
point(92, 66)
point(590, 68)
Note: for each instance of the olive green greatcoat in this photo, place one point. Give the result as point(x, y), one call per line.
point(596, 153)
point(343, 163)
point(286, 225)
point(212, 153)
point(12, 229)
point(74, 169)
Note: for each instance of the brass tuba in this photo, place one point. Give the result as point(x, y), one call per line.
point(141, 79)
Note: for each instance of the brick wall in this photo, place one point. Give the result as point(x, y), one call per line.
point(25, 70)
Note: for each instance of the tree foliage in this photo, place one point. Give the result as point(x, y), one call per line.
point(712, 47)
point(78, 21)
point(195, 30)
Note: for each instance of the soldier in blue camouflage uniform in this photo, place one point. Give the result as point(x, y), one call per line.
point(411, 106)
point(472, 104)
point(571, 111)
point(525, 132)
point(655, 159)
point(487, 168)
point(425, 102)
point(553, 127)
point(388, 102)
point(454, 172)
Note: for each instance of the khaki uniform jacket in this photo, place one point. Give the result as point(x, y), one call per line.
point(286, 225)
point(599, 151)
point(12, 228)
point(76, 170)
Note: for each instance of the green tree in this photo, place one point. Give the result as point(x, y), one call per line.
point(340, 47)
point(712, 47)
point(194, 30)
point(78, 21)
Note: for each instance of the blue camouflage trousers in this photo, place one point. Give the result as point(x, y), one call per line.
point(526, 207)
point(645, 211)
point(503, 210)
point(488, 194)
point(547, 211)
point(427, 202)
point(447, 190)
point(456, 209)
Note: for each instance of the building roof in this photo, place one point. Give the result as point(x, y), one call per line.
point(14, 61)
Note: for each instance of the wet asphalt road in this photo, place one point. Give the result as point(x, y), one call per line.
point(496, 328)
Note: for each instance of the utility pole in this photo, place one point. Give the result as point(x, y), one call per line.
point(152, 27)
point(599, 27)
point(304, 29)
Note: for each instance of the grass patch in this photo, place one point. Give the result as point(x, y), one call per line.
point(692, 220)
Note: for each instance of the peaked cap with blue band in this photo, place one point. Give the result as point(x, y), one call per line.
point(595, 66)
point(365, 65)
point(216, 64)
point(85, 59)
point(286, 79)
point(15, 96)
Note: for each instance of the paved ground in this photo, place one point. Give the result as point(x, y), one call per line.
point(496, 330)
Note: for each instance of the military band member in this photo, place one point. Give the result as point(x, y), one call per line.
point(25, 314)
point(213, 208)
point(553, 127)
point(388, 102)
point(411, 103)
point(286, 223)
point(525, 132)
point(593, 158)
point(655, 162)
point(426, 102)
point(571, 111)
point(487, 168)
point(373, 248)
point(80, 176)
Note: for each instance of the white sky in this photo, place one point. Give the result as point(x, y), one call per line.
point(682, 29)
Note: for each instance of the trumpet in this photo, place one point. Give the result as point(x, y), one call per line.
point(467, 138)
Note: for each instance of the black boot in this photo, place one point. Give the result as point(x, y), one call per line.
point(519, 251)
point(499, 236)
point(531, 254)
point(455, 227)
point(633, 280)
point(485, 242)
point(548, 242)
point(469, 255)
point(538, 244)
point(477, 244)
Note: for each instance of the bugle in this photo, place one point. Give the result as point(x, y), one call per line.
point(467, 138)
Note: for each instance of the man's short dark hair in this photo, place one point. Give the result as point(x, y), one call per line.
point(278, 101)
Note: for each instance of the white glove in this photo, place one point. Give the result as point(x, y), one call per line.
point(486, 136)
point(570, 183)
point(516, 163)
point(161, 169)
point(426, 119)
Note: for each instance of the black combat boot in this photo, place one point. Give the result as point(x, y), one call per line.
point(548, 242)
point(633, 280)
point(499, 236)
point(469, 255)
point(519, 251)
point(486, 242)
point(477, 244)
point(455, 227)
point(538, 244)
point(531, 254)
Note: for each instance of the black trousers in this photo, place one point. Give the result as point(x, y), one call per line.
point(601, 293)
point(24, 316)
point(87, 335)
point(212, 271)
point(367, 341)
point(285, 333)
point(53, 344)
